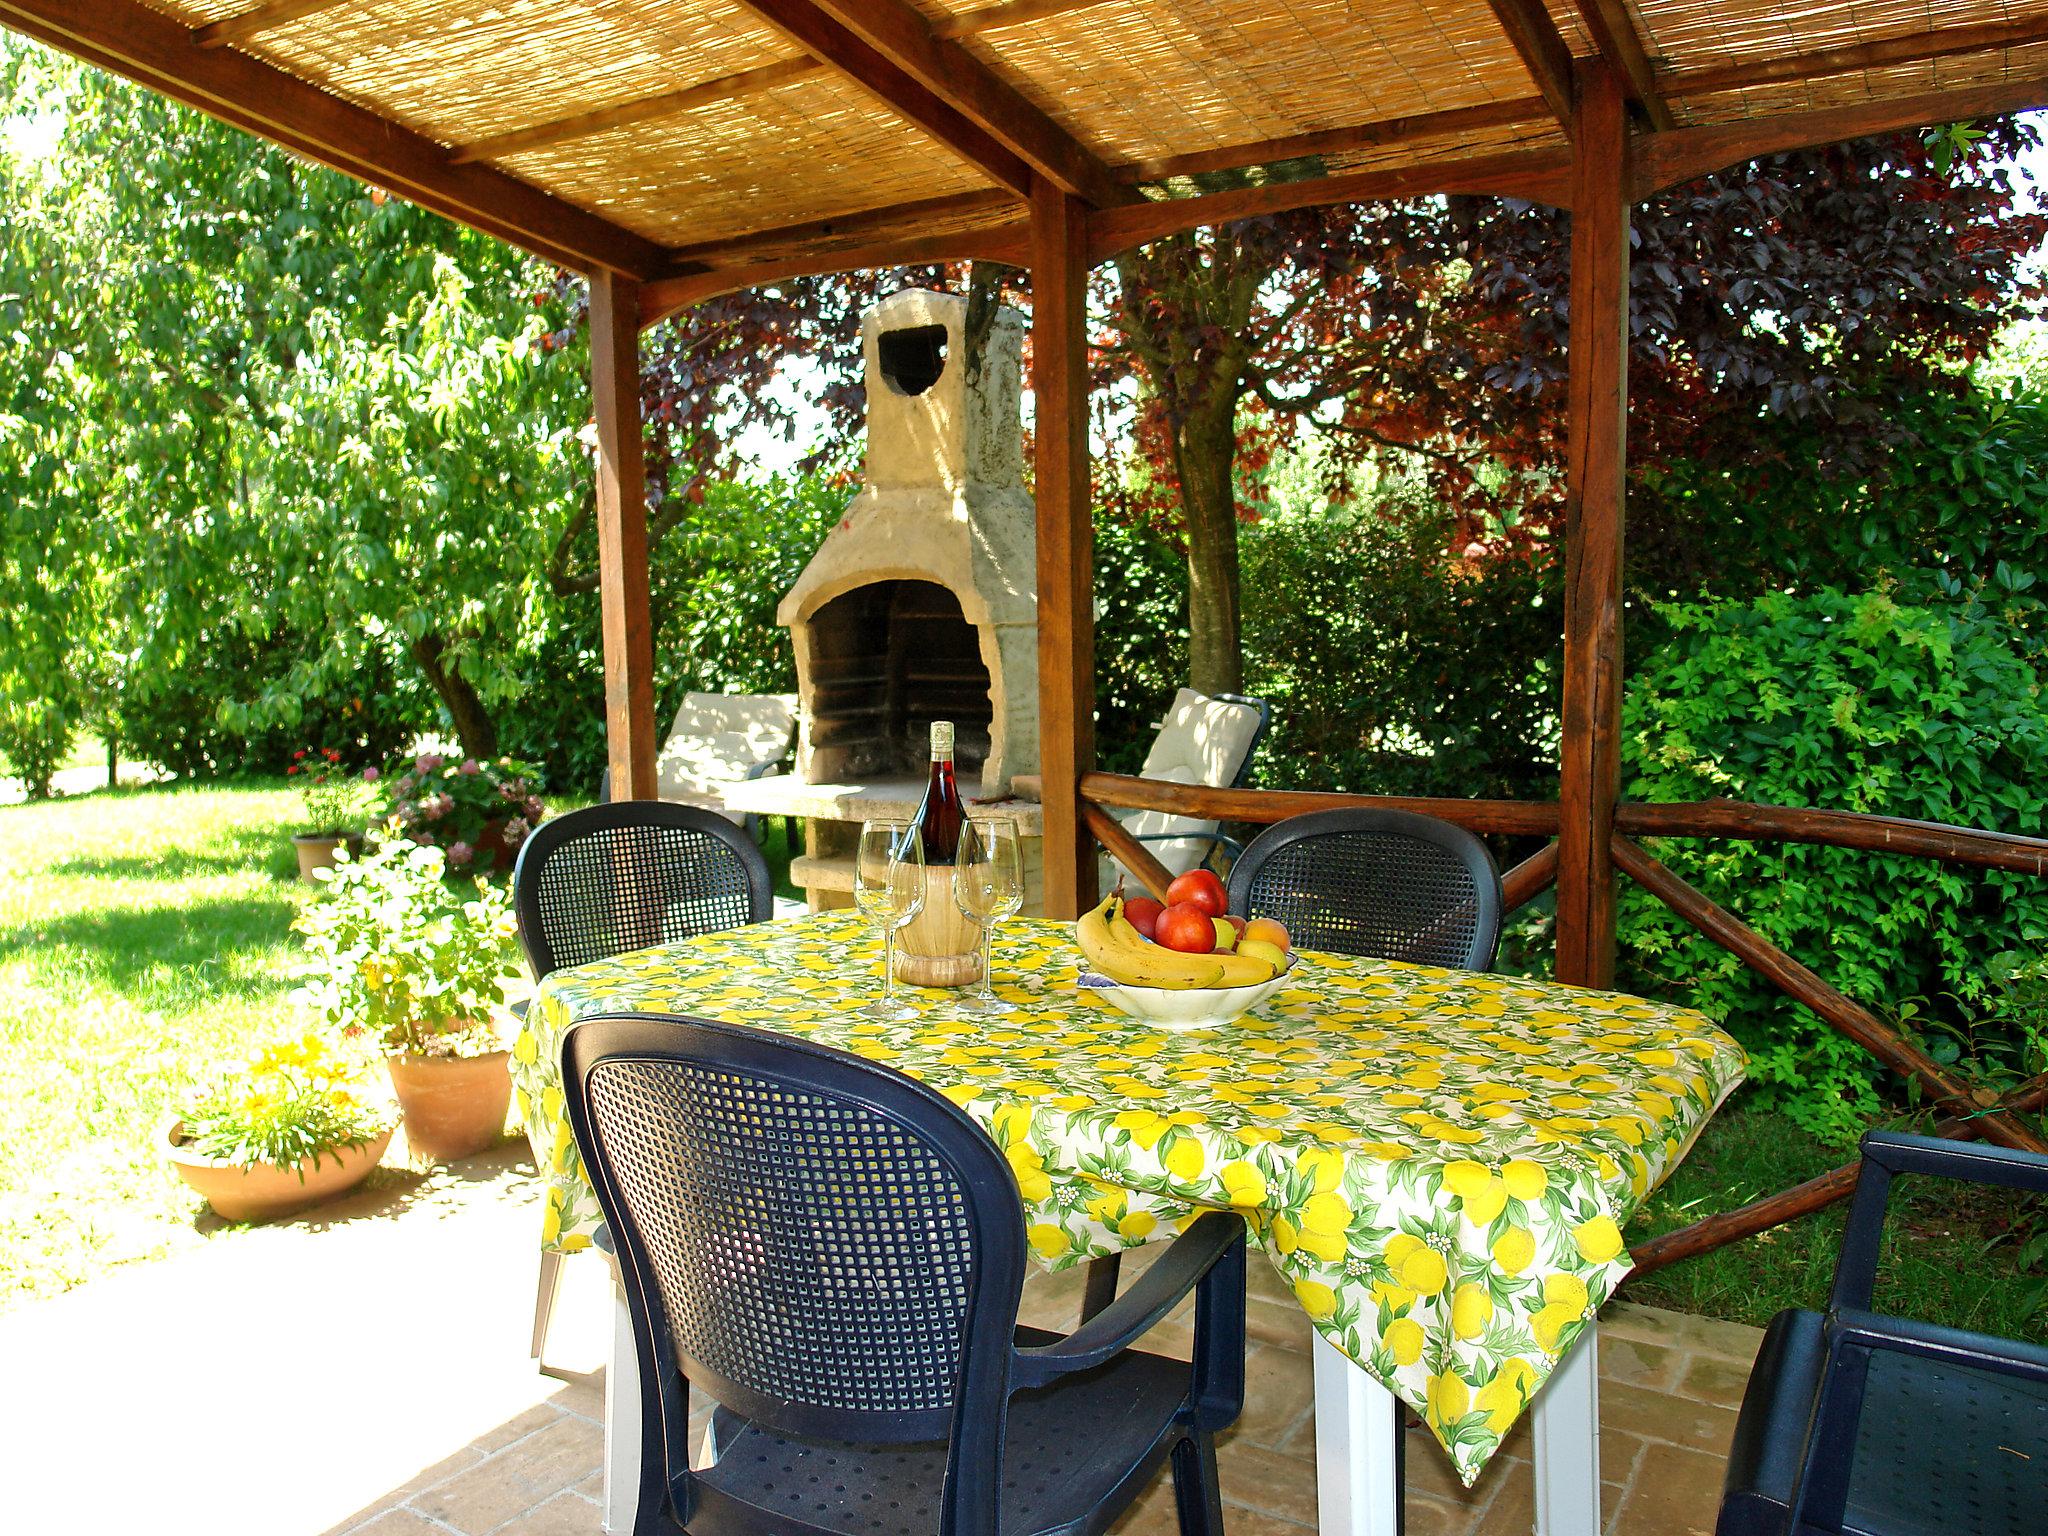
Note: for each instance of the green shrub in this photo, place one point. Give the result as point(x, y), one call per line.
point(1393, 665)
point(1846, 701)
point(36, 732)
point(1141, 637)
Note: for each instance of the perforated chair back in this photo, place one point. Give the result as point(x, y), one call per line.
point(1386, 884)
point(825, 1246)
point(599, 882)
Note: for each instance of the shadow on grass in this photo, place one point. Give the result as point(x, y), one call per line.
point(242, 851)
point(126, 947)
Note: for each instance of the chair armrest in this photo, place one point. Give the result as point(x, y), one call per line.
point(762, 770)
point(1974, 1162)
point(1139, 1310)
point(1852, 1336)
point(1886, 1153)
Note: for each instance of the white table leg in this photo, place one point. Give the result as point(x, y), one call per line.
point(1567, 1412)
point(1358, 1490)
point(621, 1422)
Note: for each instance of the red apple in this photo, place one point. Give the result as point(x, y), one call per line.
point(1142, 913)
point(1201, 888)
point(1186, 927)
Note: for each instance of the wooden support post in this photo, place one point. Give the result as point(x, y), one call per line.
point(1590, 761)
point(622, 536)
point(1066, 542)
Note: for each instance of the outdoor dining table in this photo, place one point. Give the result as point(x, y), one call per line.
point(1439, 1163)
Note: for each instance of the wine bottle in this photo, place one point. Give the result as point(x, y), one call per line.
point(941, 814)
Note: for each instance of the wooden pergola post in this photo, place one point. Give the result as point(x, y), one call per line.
point(1066, 542)
point(622, 535)
point(1590, 757)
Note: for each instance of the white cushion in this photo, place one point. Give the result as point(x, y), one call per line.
point(1205, 737)
point(698, 763)
point(761, 716)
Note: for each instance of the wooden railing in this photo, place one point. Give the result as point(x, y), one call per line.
point(1968, 1109)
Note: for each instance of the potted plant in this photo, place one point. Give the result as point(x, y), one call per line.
point(417, 961)
point(477, 810)
point(336, 801)
point(277, 1133)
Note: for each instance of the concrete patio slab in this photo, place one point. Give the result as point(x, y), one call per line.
point(365, 1374)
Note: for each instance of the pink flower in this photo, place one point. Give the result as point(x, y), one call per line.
point(470, 766)
point(459, 854)
point(516, 830)
point(426, 762)
point(371, 775)
point(533, 808)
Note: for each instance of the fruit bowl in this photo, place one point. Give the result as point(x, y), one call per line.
point(1177, 1008)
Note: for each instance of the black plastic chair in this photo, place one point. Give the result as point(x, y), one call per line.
point(834, 1254)
point(1386, 884)
point(600, 882)
point(1866, 1425)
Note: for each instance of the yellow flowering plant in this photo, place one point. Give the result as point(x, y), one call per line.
point(289, 1104)
point(400, 951)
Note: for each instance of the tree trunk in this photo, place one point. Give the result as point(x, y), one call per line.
point(1205, 445)
point(474, 727)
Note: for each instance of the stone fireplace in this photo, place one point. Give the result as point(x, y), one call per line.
point(922, 602)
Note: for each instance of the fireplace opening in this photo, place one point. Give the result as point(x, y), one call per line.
point(886, 660)
point(912, 357)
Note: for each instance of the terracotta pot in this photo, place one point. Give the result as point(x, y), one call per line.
point(266, 1190)
point(315, 852)
point(452, 1105)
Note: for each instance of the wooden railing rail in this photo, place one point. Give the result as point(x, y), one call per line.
point(1748, 822)
point(1532, 818)
point(1970, 1110)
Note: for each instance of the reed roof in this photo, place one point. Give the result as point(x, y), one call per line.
point(696, 125)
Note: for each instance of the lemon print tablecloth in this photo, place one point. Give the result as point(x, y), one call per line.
point(1439, 1163)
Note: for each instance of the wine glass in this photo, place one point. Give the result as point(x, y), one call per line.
point(988, 886)
point(888, 887)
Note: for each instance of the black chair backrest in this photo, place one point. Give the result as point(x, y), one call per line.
point(595, 883)
point(824, 1245)
point(1386, 884)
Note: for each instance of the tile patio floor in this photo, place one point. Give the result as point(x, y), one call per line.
point(364, 1374)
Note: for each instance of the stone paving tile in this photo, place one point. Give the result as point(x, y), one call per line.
point(401, 1522)
point(1677, 1492)
point(517, 1479)
point(1682, 1331)
point(566, 1514)
point(1279, 1389)
point(1714, 1381)
point(1660, 1416)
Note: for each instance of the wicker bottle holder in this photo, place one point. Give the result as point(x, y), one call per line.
point(939, 947)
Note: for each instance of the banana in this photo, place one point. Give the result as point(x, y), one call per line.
point(1121, 953)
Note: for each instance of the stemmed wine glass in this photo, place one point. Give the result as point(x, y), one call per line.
point(988, 886)
point(888, 887)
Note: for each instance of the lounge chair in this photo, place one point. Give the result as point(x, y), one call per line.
point(1207, 740)
point(719, 739)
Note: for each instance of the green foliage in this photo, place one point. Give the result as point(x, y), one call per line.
point(1394, 665)
point(1855, 702)
point(398, 950)
point(336, 797)
point(288, 1104)
point(461, 805)
point(1141, 637)
point(37, 728)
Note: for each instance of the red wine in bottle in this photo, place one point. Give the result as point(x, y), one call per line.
point(941, 814)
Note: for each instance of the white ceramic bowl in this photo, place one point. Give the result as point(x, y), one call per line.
point(1176, 1008)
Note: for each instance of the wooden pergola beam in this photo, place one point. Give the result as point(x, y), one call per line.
point(150, 48)
point(1336, 141)
point(1066, 542)
point(622, 537)
point(234, 29)
point(888, 49)
point(1669, 159)
point(1596, 478)
point(732, 87)
point(1008, 243)
point(1539, 175)
point(865, 226)
point(1613, 33)
point(1542, 48)
point(1911, 48)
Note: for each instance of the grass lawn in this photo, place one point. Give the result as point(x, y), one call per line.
point(144, 934)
